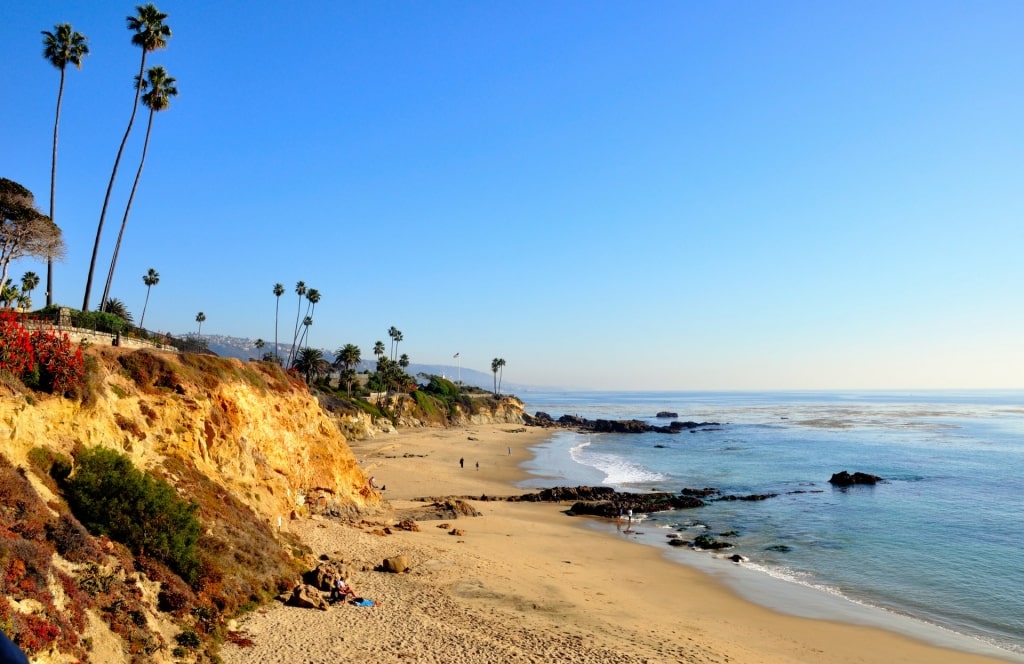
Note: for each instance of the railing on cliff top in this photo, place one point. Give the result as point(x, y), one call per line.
point(77, 322)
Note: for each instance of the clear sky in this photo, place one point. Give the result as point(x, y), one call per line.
point(643, 195)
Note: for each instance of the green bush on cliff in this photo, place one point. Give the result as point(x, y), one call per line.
point(110, 496)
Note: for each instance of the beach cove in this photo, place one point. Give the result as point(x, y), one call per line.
point(526, 583)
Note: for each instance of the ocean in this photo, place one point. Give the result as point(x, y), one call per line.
point(936, 550)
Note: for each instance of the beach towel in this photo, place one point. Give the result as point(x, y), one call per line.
point(362, 601)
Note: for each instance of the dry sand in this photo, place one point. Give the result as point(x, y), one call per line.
point(526, 583)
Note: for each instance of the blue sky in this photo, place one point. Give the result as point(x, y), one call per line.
point(645, 195)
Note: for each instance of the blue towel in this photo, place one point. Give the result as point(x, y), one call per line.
point(362, 601)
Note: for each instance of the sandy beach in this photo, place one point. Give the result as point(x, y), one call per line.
point(526, 583)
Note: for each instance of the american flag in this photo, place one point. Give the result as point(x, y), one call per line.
point(455, 356)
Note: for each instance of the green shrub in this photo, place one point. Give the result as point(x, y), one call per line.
point(111, 497)
point(442, 387)
point(99, 321)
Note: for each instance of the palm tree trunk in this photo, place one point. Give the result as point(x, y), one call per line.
point(53, 186)
point(128, 209)
point(277, 349)
point(143, 319)
point(295, 335)
point(110, 187)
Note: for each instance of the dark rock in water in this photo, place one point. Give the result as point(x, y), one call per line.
point(751, 497)
point(606, 502)
point(677, 542)
point(781, 548)
point(659, 447)
point(541, 419)
point(560, 493)
point(700, 493)
point(666, 413)
point(737, 558)
point(846, 479)
point(706, 542)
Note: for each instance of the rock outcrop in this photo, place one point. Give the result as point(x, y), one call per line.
point(846, 479)
point(541, 419)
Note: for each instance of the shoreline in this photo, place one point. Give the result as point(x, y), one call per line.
point(523, 584)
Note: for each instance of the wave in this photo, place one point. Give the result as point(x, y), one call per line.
point(616, 469)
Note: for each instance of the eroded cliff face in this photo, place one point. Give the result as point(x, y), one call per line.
point(248, 426)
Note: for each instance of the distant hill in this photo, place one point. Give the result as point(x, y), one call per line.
point(245, 349)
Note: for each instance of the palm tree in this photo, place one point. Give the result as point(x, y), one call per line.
point(200, 317)
point(312, 297)
point(61, 47)
point(310, 363)
point(347, 357)
point(300, 290)
point(8, 292)
point(117, 308)
point(501, 372)
point(260, 343)
point(306, 322)
point(278, 292)
point(160, 88)
point(396, 336)
point(378, 349)
point(151, 278)
point(24, 302)
point(29, 282)
point(496, 365)
point(150, 35)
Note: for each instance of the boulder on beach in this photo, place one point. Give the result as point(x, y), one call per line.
point(306, 596)
point(396, 564)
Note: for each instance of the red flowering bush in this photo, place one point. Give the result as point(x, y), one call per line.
point(61, 366)
point(16, 356)
point(44, 359)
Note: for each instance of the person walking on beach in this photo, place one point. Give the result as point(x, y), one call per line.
point(462, 462)
point(510, 451)
point(478, 465)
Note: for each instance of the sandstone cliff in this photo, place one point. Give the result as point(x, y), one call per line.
point(248, 426)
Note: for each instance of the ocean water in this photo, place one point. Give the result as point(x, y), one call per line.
point(936, 550)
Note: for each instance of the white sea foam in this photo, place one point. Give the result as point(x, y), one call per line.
point(617, 470)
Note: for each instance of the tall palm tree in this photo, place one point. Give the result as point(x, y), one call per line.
point(278, 292)
point(61, 47)
point(312, 297)
point(151, 278)
point(150, 34)
point(160, 89)
point(347, 357)
point(496, 365)
point(29, 282)
point(200, 318)
point(300, 290)
point(260, 343)
point(378, 349)
point(501, 372)
point(306, 322)
point(396, 336)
